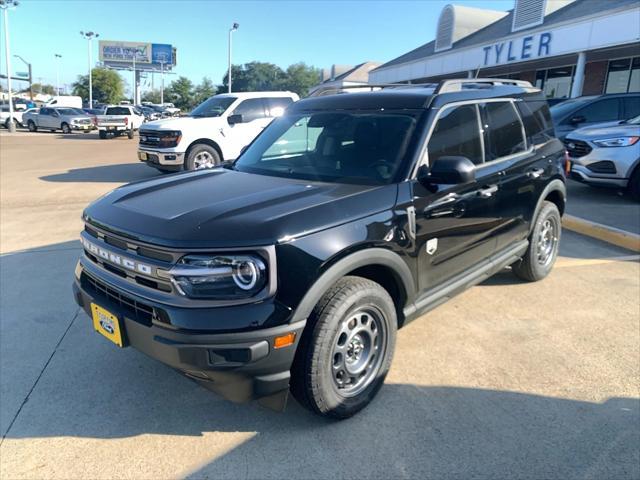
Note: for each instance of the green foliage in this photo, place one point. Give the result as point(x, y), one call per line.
point(40, 88)
point(152, 96)
point(180, 93)
point(203, 91)
point(108, 86)
point(300, 77)
point(260, 76)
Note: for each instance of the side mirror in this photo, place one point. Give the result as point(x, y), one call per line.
point(448, 170)
point(233, 119)
point(577, 119)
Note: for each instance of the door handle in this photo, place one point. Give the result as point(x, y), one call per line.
point(535, 173)
point(488, 191)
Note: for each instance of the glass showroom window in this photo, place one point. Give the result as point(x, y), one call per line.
point(623, 75)
point(555, 82)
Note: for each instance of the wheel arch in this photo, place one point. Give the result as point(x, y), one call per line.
point(555, 192)
point(377, 264)
point(206, 141)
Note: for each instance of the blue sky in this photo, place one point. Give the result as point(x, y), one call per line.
point(319, 33)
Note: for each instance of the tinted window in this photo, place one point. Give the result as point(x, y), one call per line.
point(537, 121)
point(332, 147)
point(631, 107)
point(502, 130)
point(45, 111)
point(277, 105)
point(117, 111)
point(213, 107)
point(600, 111)
point(456, 133)
point(250, 109)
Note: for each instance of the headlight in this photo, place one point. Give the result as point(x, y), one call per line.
point(616, 142)
point(169, 139)
point(219, 277)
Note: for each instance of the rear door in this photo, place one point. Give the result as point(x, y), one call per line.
point(254, 115)
point(631, 106)
point(45, 118)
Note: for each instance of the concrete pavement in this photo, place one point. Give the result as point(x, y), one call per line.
point(508, 380)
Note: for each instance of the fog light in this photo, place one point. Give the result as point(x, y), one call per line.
point(169, 157)
point(284, 340)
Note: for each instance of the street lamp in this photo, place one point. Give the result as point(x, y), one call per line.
point(5, 5)
point(30, 77)
point(90, 36)
point(57, 57)
point(231, 30)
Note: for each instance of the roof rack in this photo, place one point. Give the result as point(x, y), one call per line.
point(457, 84)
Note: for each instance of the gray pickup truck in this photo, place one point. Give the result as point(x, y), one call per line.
point(62, 118)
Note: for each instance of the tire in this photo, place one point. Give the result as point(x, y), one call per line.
point(202, 156)
point(544, 243)
point(355, 315)
point(102, 134)
point(130, 134)
point(31, 125)
point(634, 184)
point(65, 128)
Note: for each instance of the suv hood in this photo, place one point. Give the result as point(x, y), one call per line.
point(174, 123)
point(222, 208)
point(602, 130)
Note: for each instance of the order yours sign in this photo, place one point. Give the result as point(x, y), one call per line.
point(519, 49)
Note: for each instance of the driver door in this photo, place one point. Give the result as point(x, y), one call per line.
point(254, 120)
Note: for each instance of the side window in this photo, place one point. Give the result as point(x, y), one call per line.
point(250, 109)
point(457, 134)
point(277, 105)
point(631, 107)
point(537, 121)
point(502, 130)
point(600, 111)
point(45, 111)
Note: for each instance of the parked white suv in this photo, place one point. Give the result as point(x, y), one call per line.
point(118, 120)
point(214, 132)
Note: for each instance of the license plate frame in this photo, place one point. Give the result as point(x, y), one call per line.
point(108, 325)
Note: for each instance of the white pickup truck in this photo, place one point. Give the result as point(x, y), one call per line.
point(213, 132)
point(118, 120)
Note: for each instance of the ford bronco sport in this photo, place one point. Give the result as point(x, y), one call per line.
point(351, 215)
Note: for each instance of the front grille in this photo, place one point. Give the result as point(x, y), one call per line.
point(149, 138)
point(138, 311)
point(604, 166)
point(577, 148)
point(124, 244)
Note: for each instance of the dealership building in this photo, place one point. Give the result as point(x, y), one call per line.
point(567, 48)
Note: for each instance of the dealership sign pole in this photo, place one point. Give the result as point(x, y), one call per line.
point(5, 5)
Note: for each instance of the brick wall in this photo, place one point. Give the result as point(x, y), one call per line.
point(595, 76)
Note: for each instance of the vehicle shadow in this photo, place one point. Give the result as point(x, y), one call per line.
point(94, 136)
point(122, 172)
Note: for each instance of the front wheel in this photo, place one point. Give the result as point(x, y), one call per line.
point(634, 184)
point(130, 134)
point(544, 244)
point(31, 125)
point(66, 128)
point(202, 156)
point(346, 351)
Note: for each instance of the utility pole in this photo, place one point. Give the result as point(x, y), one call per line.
point(57, 57)
point(5, 5)
point(161, 83)
point(135, 80)
point(30, 76)
point(231, 30)
point(90, 36)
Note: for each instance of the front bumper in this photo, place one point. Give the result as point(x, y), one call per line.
point(173, 160)
point(240, 366)
point(620, 161)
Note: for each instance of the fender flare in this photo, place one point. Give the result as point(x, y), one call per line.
point(555, 185)
point(361, 258)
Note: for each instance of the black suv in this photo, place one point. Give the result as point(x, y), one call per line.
point(346, 218)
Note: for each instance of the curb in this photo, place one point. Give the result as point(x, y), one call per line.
point(615, 236)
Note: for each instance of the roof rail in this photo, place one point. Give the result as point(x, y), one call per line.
point(457, 84)
point(339, 89)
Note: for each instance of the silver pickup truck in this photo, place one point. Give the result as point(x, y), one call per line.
point(118, 120)
point(62, 118)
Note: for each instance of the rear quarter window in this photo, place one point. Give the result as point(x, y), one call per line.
point(502, 130)
point(537, 121)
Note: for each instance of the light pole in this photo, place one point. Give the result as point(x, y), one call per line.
point(6, 5)
point(231, 30)
point(161, 83)
point(30, 75)
point(57, 57)
point(90, 36)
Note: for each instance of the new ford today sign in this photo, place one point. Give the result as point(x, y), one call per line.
point(144, 53)
point(517, 50)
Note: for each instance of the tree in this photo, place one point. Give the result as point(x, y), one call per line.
point(108, 86)
point(203, 91)
point(254, 77)
point(152, 96)
point(299, 78)
point(180, 93)
point(40, 88)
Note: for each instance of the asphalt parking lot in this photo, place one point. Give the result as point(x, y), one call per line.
point(508, 380)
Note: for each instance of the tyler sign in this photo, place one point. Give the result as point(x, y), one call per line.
point(519, 49)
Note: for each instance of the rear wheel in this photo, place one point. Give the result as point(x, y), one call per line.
point(634, 184)
point(130, 134)
point(102, 134)
point(346, 350)
point(66, 128)
point(31, 125)
point(202, 156)
point(544, 243)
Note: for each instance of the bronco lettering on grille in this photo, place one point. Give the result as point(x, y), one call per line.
point(116, 259)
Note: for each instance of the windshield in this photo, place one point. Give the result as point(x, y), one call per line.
point(563, 108)
point(68, 111)
point(341, 147)
point(633, 121)
point(213, 107)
